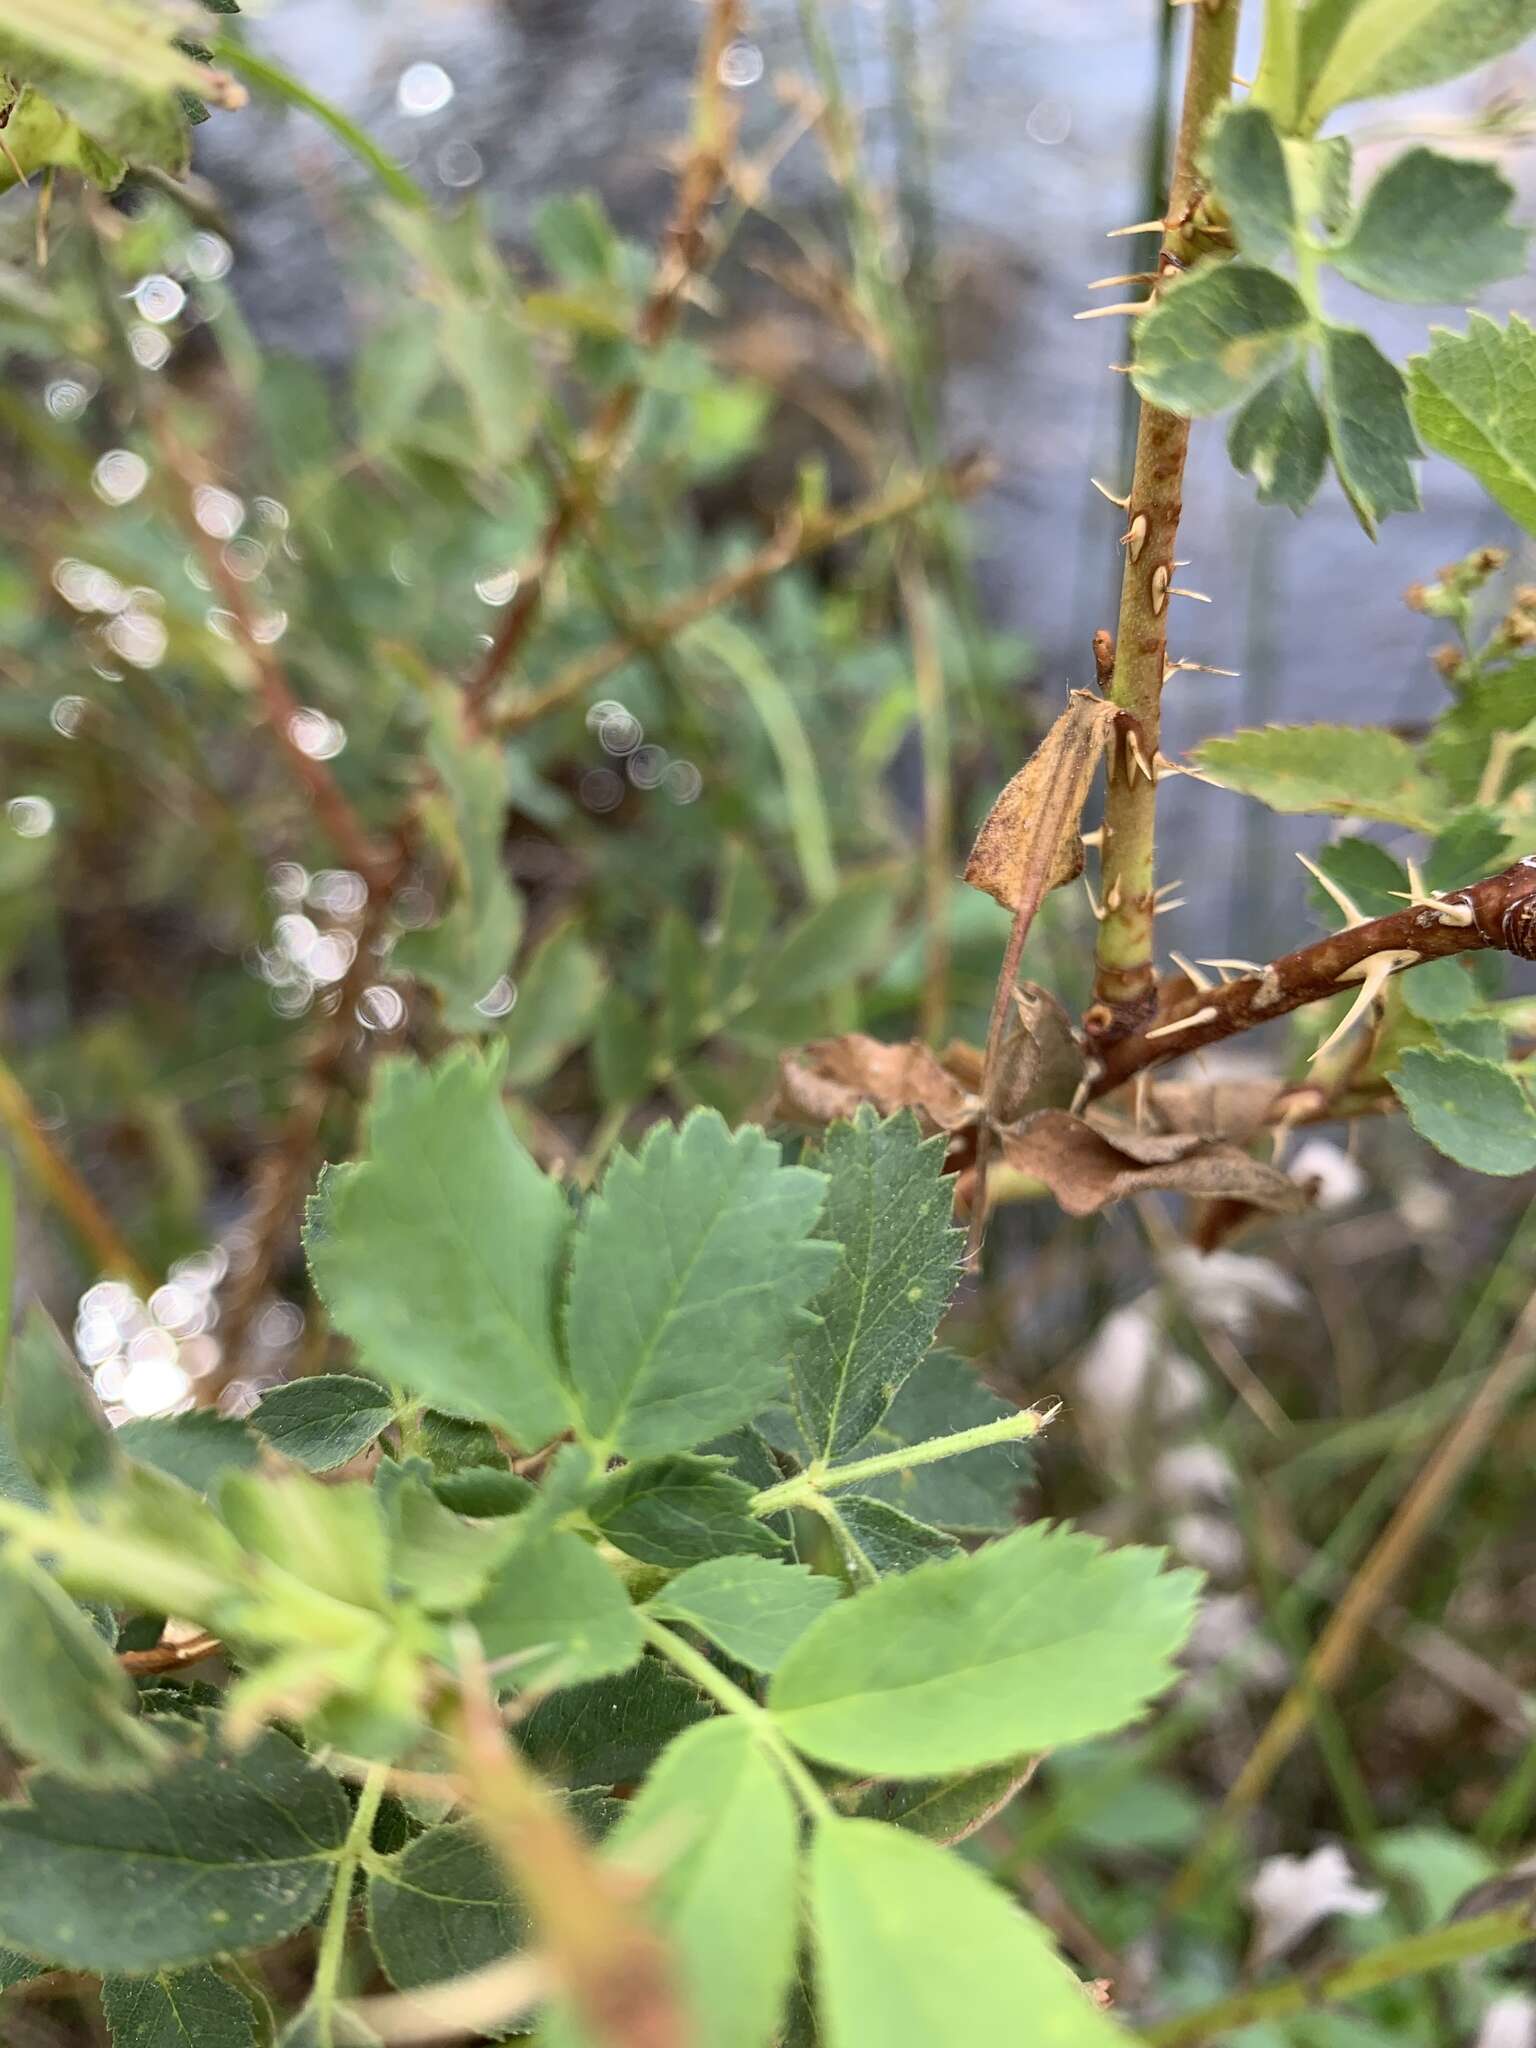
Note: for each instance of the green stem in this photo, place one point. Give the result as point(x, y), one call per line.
point(333, 1938)
point(1413, 1957)
point(277, 82)
point(693, 1664)
point(818, 1479)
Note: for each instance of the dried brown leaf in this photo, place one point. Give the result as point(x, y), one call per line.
point(1086, 1165)
point(1051, 789)
point(829, 1079)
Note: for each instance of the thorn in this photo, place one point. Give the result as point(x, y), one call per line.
point(1245, 83)
point(1415, 880)
point(1138, 758)
point(1353, 914)
point(1174, 903)
point(1120, 369)
point(1099, 284)
point(1113, 899)
point(1159, 589)
point(1174, 590)
point(1204, 668)
point(1109, 312)
point(1139, 227)
point(1099, 912)
point(1176, 564)
point(1237, 966)
point(1166, 889)
point(1417, 897)
point(1204, 1016)
point(1105, 492)
point(1374, 974)
point(1190, 972)
point(1079, 1097)
point(1095, 838)
point(1135, 536)
point(1139, 1099)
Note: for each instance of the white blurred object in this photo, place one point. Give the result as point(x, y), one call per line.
point(1293, 1894)
point(1130, 1373)
point(1210, 1543)
point(1339, 1179)
point(1227, 1632)
point(1230, 1288)
point(1193, 1472)
point(1510, 2022)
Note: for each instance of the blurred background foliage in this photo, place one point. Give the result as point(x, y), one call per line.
point(285, 443)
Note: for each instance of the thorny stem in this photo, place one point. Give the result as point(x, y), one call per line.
point(1461, 1941)
point(938, 793)
point(1124, 980)
point(682, 257)
point(730, 1696)
point(63, 1187)
point(818, 1479)
point(333, 1938)
point(797, 538)
point(1334, 1652)
point(1499, 913)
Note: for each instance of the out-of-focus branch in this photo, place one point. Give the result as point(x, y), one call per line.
point(683, 254)
point(797, 538)
point(62, 1186)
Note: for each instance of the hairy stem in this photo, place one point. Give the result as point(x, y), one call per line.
point(818, 1479)
point(1124, 979)
point(333, 1937)
point(1460, 1942)
point(1497, 914)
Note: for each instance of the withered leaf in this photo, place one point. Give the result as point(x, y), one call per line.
point(1087, 1165)
point(1046, 797)
point(830, 1078)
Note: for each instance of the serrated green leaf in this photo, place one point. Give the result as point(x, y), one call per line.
point(16, 1968)
point(470, 947)
point(892, 1913)
point(611, 1731)
point(56, 1423)
point(1244, 162)
point(1473, 845)
point(222, 1851)
point(675, 1510)
point(753, 1608)
point(1280, 438)
point(688, 1276)
point(1474, 399)
point(1042, 1638)
point(323, 1421)
point(557, 1610)
point(1369, 431)
point(1372, 880)
point(558, 990)
point(197, 1448)
point(1359, 49)
point(442, 1907)
point(66, 1702)
point(1439, 991)
point(889, 1213)
point(949, 1809)
point(1351, 771)
point(976, 1493)
point(437, 1252)
point(195, 2008)
point(1503, 703)
point(875, 1539)
point(1215, 337)
point(725, 1896)
point(1469, 1109)
point(1432, 228)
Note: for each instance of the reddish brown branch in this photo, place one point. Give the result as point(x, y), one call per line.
point(1502, 915)
point(682, 257)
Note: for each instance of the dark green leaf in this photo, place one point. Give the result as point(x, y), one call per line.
point(1042, 1638)
point(878, 1538)
point(1245, 165)
point(687, 1279)
point(197, 1448)
point(847, 936)
point(1439, 991)
point(441, 1908)
point(977, 1492)
point(889, 1211)
point(622, 1051)
point(1369, 431)
point(1503, 703)
point(195, 2008)
point(438, 1251)
point(1372, 880)
point(1280, 438)
point(743, 916)
point(612, 1731)
point(484, 1490)
point(223, 1851)
point(1432, 228)
point(56, 1423)
point(751, 1607)
point(323, 1421)
point(890, 1915)
point(1473, 845)
point(449, 1444)
point(66, 1701)
point(947, 1809)
point(1216, 337)
point(557, 1615)
point(558, 990)
point(675, 1510)
point(16, 1968)
point(1474, 399)
point(1468, 1109)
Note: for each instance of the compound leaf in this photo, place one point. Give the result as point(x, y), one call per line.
point(1215, 337)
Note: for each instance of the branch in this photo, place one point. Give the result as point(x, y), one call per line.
point(796, 538)
point(1499, 913)
point(682, 257)
point(63, 1187)
point(1125, 980)
point(1461, 1941)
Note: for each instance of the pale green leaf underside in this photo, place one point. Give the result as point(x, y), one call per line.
point(754, 1608)
point(1386, 46)
point(1215, 337)
point(1039, 1639)
point(1432, 228)
point(1474, 399)
point(1360, 771)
